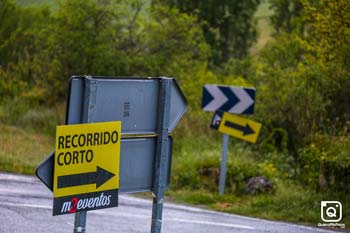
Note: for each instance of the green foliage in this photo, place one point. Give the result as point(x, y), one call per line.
point(229, 26)
point(8, 25)
point(118, 37)
point(204, 174)
point(18, 29)
point(170, 43)
point(329, 39)
point(289, 88)
point(21, 150)
point(291, 202)
point(198, 167)
point(326, 162)
point(287, 16)
point(12, 111)
point(80, 40)
point(244, 68)
point(32, 118)
point(303, 81)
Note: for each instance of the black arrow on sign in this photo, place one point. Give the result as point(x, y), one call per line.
point(246, 130)
point(99, 177)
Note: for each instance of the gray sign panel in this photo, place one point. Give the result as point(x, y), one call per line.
point(134, 101)
point(137, 157)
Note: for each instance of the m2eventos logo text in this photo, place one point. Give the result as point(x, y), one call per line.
point(77, 204)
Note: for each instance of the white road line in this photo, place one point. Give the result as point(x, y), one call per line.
point(120, 214)
point(198, 210)
point(25, 178)
point(116, 214)
point(26, 205)
point(139, 216)
point(16, 177)
point(24, 192)
point(211, 223)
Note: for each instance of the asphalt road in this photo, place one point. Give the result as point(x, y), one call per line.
point(26, 206)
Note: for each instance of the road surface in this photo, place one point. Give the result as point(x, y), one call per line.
point(26, 206)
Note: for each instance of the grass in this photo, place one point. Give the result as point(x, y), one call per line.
point(21, 151)
point(27, 135)
point(290, 203)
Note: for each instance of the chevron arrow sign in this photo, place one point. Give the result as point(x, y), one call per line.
point(238, 100)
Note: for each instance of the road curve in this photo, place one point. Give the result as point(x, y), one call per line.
point(26, 206)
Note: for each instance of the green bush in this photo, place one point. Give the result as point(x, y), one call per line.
point(31, 117)
point(326, 163)
point(12, 110)
point(198, 167)
point(239, 172)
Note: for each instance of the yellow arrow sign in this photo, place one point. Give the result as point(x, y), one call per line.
point(239, 127)
point(86, 149)
point(86, 166)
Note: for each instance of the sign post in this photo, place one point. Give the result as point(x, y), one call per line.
point(161, 156)
point(222, 180)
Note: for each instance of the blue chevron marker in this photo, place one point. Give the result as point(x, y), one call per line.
point(238, 100)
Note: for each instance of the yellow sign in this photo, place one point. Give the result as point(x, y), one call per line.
point(239, 127)
point(87, 158)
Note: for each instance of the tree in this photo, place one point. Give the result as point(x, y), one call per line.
point(9, 21)
point(18, 28)
point(19, 44)
point(305, 83)
point(287, 16)
point(98, 37)
point(172, 43)
point(229, 26)
point(329, 36)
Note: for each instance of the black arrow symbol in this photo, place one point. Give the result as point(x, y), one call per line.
point(99, 177)
point(246, 130)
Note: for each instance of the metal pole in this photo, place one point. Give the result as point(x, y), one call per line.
point(223, 164)
point(90, 88)
point(80, 222)
point(161, 154)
